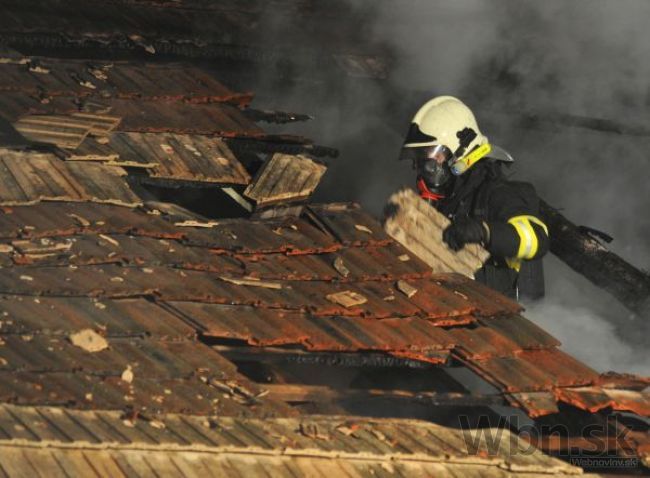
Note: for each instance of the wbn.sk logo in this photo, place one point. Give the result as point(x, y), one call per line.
point(600, 446)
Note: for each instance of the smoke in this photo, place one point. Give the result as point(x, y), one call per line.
point(506, 57)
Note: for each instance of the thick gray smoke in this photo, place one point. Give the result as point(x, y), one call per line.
point(504, 57)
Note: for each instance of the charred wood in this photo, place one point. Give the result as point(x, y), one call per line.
point(279, 117)
point(318, 393)
point(296, 356)
point(587, 256)
point(261, 146)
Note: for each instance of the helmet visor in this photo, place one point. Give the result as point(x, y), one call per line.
point(423, 154)
point(431, 163)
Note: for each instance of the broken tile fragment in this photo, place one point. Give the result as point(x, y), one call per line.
point(340, 267)
point(89, 340)
point(127, 375)
point(362, 228)
point(405, 288)
point(347, 298)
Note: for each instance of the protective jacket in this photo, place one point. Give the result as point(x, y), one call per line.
point(517, 240)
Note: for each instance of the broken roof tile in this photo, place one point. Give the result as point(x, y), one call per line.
point(533, 370)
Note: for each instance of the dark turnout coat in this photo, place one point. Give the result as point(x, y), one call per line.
point(518, 238)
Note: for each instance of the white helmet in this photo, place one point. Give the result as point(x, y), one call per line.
point(446, 124)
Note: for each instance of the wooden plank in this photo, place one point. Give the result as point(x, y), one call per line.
point(65, 131)
point(285, 178)
point(31, 177)
point(418, 226)
point(170, 156)
point(60, 134)
point(99, 125)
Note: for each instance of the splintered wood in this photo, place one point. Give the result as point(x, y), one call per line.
point(285, 178)
point(30, 177)
point(418, 226)
point(65, 131)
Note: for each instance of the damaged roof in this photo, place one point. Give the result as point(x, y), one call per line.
point(258, 31)
point(120, 316)
point(277, 282)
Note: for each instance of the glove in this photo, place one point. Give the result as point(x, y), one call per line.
point(465, 230)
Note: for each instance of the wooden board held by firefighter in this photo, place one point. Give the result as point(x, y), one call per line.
point(418, 226)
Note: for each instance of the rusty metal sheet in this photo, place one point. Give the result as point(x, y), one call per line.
point(169, 156)
point(595, 399)
point(149, 358)
point(350, 224)
point(31, 177)
point(53, 219)
point(21, 315)
point(521, 331)
point(183, 118)
point(104, 281)
point(383, 300)
point(269, 327)
point(359, 264)
point(487, 302)
point(127, 250)
point(147, 396)
point(501, 337)
point(533, 370)
point(439, 302)
point(623, 380)
point(478, 342)
point(292, 236)
point(169, 82)
point(139, 115)
point(535, 404)
point(258, 237)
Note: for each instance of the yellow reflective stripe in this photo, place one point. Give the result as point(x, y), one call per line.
point(464, 163)
point(538, 222)
point(527, 238)
point(528, 242)
point(478, 153)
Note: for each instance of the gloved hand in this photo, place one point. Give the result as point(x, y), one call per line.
point(465, 230)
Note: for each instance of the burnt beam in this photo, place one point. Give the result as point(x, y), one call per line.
point(251, 145)
point(279, 117)
point(278, 355)
point(587, 256)
point(323, 394)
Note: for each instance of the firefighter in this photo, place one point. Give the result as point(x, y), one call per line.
point(461, 174)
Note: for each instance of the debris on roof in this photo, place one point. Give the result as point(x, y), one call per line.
point(89, 340)
point(139, 334)
point(205, 275)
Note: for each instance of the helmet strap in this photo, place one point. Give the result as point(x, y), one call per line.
point(426, 193)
